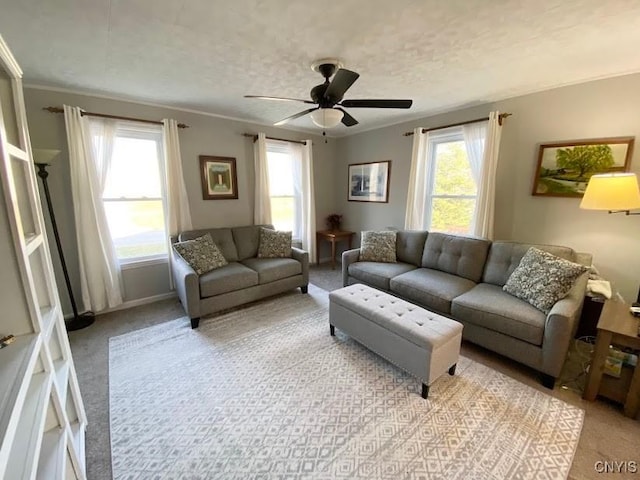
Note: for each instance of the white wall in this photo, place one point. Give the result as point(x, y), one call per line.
point(603, 108)
point(206, 135)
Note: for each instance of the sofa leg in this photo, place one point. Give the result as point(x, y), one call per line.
point(195, 322)
point(548, 381)
point(304, 289)
point(332, 330)
point(452, 370)
point(425, 390)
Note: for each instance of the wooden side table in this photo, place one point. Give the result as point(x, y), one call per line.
point(616, 326)
point(332, 236)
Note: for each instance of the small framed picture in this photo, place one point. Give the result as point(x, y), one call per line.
point(369, 182)
point(564, 168)
point(219, 178)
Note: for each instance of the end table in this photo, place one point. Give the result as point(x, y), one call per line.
point(616, 326)
point(332, 236)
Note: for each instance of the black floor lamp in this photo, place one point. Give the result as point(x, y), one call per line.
point(81, 320)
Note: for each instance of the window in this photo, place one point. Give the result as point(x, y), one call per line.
point(284, 180)
point(134, 194)
point(452, 189)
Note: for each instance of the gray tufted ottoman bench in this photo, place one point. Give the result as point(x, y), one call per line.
point(420, 342)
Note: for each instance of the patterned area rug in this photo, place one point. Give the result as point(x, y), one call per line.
point(266, 392)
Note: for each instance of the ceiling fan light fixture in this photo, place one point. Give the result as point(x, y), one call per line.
point(326, 117)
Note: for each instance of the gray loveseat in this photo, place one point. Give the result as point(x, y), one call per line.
point(462, 278)
point(245, 279)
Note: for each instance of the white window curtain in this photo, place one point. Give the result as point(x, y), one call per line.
point(305, 197)
point(419, 174)
point(176, 211)
point(474, 137)
point(262, 202)
point(90, 148)
point(178, 214)
point(485, 203)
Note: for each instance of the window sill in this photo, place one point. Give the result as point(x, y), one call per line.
point(133, 263)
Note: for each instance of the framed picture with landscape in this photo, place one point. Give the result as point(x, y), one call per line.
point(219, 178)
point(564, 168)
point(369, 182)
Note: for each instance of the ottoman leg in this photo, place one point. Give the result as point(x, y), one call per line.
point(452, 370)
point(425, 390)
point(332, 330)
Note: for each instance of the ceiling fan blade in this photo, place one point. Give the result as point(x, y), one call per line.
point(376, 103)
point(342, 80)
point(347, 120)
point(280, 99)
point(293, 117)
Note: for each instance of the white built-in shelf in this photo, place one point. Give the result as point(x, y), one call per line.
point(61, 368)
point(16, 364)
point(32, 242)
point(17, 152)
point(39, 393)
point(23, 458)
point(77, 432)
point(48, 316)
point(52, 455)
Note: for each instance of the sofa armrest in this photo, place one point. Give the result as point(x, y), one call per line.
point(185, 280)
point(585, 259)
point(348, 257)
point(561, 324)
point(303, 257)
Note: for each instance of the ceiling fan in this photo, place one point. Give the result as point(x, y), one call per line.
point(328, 97)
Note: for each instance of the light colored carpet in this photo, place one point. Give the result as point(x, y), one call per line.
point(266, 392)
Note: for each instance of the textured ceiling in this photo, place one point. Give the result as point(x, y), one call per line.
point(206, 54)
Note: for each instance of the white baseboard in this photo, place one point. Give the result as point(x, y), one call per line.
point(134, 303)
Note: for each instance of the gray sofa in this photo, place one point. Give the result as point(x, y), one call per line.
point(245, 279)
point(462, 278)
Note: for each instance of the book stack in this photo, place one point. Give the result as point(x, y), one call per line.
point(5, 341)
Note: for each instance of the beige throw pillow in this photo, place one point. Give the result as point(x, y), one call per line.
point(542, 279)
point(201, 253)
point(274, 244)
point(378, 247)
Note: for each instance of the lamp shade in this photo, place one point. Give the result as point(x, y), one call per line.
point(326, 117)
point(612, 191)
point(43, 155)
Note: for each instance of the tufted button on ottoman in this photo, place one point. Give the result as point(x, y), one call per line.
point(421, 342)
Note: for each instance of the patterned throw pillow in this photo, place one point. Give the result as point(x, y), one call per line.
point(274, 244)
point(542, 278)
point(378, 247)
point(201, 253)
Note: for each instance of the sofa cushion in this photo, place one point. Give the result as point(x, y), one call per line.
point(201, 254)
point(432, 289)
point(274, 244)
point(488, 306)
point(410, 245)
point(229, 278)
point(247, 240)
point(461, 256)
point(272, 269)
point(542, 278)
point(378, 274)
point(222, 238)
point(378, 247)
point(504, 257)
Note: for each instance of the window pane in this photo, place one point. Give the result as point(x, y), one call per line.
point(280, 174)
point(137, 227)
point(283, 213)
point(452, 215)
point(134, 171)
point(452, 175)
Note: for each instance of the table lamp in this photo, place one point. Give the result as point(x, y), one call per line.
point(614, 192)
